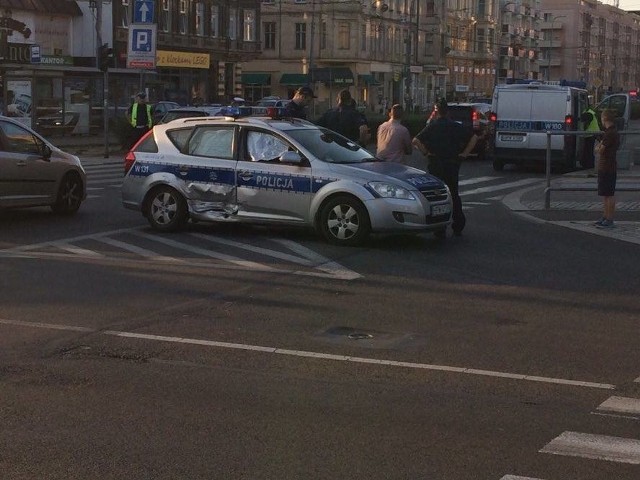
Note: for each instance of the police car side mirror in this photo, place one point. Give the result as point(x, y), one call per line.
point(291, 157)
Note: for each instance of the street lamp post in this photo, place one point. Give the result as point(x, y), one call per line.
point(549, 55)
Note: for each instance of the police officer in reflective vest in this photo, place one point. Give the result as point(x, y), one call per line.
point(590, 123)
point(446, 143)
point(140, 117)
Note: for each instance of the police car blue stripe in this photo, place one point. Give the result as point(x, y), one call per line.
point(275, 181)
point(189, 173)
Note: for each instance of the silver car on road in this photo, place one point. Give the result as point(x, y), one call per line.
point(277, 171)
point(34, 173)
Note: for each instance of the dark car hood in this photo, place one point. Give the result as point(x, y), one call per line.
point(418, 178)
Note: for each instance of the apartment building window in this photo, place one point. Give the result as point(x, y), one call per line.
point(363, 37)
point(269, 35)
point(323, 35)
point(199, 17)
point(301, 36)
point(164, 19)
point(182, 17)
point(214, 23)
point(125, 13)
point(344, 31)
point(233, 23)
point(431, 9)
point(480, 45)
point(249, 26)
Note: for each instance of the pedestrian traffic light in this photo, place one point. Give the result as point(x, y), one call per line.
point(105, 57)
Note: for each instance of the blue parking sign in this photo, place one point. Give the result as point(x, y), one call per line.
point(141, 40)
point(143, 11)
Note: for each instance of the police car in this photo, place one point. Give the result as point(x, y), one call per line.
point(279, 171)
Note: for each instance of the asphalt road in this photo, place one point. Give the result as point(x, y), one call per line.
point(249, 353)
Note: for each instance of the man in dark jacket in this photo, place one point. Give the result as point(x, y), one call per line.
point(346, 120)
point(446, 143)
point(297, 107)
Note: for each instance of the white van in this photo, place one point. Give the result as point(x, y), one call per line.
point(525, 112)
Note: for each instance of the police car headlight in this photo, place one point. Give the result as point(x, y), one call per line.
point(389, 190)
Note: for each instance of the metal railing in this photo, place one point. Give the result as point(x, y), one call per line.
point(577, 133)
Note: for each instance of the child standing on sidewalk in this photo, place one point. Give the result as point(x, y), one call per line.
point(606, 151)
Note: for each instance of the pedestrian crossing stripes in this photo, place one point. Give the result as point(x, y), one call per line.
point(596, 447)
point(294, 259)
point(621, 405)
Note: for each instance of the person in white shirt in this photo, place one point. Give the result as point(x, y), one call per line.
point(394, 139)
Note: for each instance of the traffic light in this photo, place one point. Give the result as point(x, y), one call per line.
point(105, 57)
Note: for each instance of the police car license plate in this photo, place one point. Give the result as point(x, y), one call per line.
point(511, 138)
point(440, 209)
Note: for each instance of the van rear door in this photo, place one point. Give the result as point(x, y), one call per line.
point(513, 108)
point(548, 112)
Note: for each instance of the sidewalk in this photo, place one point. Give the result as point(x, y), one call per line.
point(579, 205)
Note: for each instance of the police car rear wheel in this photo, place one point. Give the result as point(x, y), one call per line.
point(344, 221)
point(166, 210)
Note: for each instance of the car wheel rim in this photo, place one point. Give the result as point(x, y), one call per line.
point(71, 194)
point(163, 208)
point(343, 222)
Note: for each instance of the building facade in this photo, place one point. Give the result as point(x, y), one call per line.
point(596, 43)
point(201, 46)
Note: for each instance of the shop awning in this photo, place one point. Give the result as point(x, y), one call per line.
point(256, 79)
point(332, 75)
point(368, 78)
point(294, 79)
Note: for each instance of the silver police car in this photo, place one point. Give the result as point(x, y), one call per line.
point(272, 170)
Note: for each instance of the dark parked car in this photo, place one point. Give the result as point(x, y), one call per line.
point(476, 117)
point(162, 107)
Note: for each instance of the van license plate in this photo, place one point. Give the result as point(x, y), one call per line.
point(440, 209)
point(511, 138)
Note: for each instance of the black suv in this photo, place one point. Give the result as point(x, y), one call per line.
point(476, 117)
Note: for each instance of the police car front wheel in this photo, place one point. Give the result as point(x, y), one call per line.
point(344, 221)
point(166, 210)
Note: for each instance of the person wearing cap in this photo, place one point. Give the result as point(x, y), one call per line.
point(446, 143)
point(346, 120)
point(140, 117)
point(296, 108)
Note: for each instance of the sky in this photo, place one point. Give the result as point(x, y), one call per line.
point(627, 4)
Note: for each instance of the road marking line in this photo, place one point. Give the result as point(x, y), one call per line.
point(613, 415)
point(49, 326)
point(34, 246)
point(324, 356)
point(621, 405)
point(637, 380)
point(596, 447)
point(143, 252)
point(205, 253)
point(502, 186)
point(471, 181)
point(100, 182)
point(253, 248)
point(321, 263)
point(516, 477)
point(76, 250)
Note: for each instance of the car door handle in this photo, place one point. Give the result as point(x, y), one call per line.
point(245, 175)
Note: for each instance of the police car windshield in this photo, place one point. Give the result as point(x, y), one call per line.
point(330, 146)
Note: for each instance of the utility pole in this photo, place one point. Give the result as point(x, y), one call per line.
point(105, 78)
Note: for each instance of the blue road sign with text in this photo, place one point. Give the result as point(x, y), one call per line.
point(143, 11)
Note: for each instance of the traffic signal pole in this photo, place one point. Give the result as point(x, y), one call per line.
point(101, 52)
